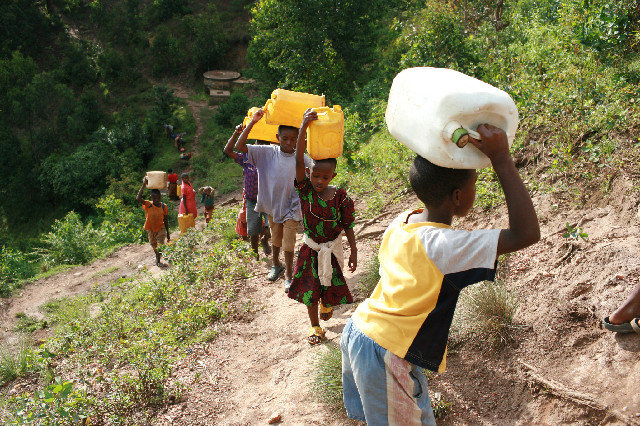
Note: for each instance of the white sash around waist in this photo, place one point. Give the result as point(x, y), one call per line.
point(325, 270)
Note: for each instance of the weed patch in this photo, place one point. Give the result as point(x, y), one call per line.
point(16, 363)
point(486, 311)
point(327, 376)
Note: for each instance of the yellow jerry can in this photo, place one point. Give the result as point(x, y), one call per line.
point(325, 135)
point(261, 130)
point(287, 108)
point(186, 221)
point(179, 190)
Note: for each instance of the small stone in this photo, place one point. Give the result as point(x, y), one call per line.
point(620, 277)
point(275, 417)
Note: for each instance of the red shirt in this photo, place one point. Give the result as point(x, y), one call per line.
point(172, 178)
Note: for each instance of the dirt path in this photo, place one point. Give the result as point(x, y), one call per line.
point(261, 364)
point(123, 263)
point(559, 368)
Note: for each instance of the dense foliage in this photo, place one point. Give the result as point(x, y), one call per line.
point(571, 66)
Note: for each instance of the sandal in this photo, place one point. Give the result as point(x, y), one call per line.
point(632, 326)
point(275, 272)
point(316, 335)
point(326, 312)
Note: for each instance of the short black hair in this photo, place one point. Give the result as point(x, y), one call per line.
point(261, 142)
point(330, 161)
point(433, 184)
point(184, 175)
point(284, 127)
point(170, 170)
point(155, 191)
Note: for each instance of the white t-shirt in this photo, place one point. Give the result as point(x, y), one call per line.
point(277, 195)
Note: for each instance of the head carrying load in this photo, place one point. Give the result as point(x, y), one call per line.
point(432, 110)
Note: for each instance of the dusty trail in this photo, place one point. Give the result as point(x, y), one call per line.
point(261, 364)
point(123, 263)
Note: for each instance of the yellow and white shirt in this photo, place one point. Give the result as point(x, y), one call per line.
point(423, 267)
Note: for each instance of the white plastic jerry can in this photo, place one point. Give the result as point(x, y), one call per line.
point(325, 135)
point(156, 180)
point(431, 110)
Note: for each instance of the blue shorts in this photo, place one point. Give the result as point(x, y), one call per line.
point(256, 222)
point(380, 387)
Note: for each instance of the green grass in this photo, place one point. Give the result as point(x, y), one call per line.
point(105, 271)
point(125, 352)
point(486, 311)
point(15, 363)
point(211, 166)
point(28, 324)
point(371, 276)
point(327, 376)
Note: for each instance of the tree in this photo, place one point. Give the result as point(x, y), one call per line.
point(324, 46)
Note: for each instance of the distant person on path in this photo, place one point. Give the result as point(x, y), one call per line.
point(256, 223)
point(156, 223)
point(424, 264)
point(276, 165)
point(178, 142)
point(207, 201)
point(626, 319)
point(327, 211)
point(188, 200)
point(168, 131)
point(172, 178)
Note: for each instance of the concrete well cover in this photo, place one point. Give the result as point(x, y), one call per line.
point(221, 75)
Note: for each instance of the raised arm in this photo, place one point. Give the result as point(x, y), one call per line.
point(139, 198)
point(228, 148)
point(523, 223)
point(301, 144)
point(241, 145)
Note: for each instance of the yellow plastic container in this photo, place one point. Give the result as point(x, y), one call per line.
point(156, 180)
point(325, 136)
point(186, 221)
point(179, 190)
point(261, 130)
point(287, 108)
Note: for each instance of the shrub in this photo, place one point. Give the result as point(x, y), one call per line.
point(437, 38)
point(70, 241)
point(232, 112)
point(120, 225)
point(56, 404)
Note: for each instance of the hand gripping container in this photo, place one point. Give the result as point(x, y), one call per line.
point(431, 108)
point(261, 130)
point(156, 180)
point(325, 135)
point(287, 108)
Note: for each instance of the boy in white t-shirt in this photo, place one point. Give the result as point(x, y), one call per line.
point(403, 327)
point(277, 196)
